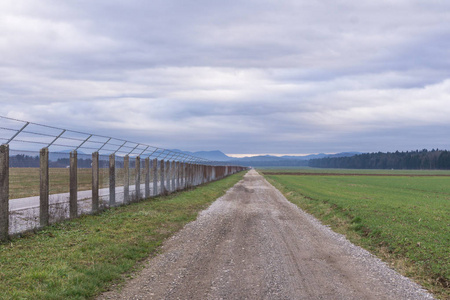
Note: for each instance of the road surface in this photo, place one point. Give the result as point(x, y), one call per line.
point(254, 244)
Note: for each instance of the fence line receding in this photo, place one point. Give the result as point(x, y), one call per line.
point(48, 174)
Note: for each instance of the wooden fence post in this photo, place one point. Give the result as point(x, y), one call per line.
point(73, 204)
point(44, 188)
point(4, 192)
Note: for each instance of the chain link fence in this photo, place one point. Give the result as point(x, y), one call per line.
point(49, 174)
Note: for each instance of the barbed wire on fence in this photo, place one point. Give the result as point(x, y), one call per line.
point(30, 136)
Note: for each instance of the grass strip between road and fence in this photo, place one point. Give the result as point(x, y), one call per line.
point(405, 220)
point(80, 258)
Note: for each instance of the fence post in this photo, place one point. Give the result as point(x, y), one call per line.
point(155, 176)
point(197, 174)
point(181, 175)
point(73, 205)
point(4, 192)
point(174, 175)
point(168, 176)
point(126, 179)
point(209, 173)
point(184, 175)
point(112, 180)
point(147, 177)
point(194, 166)
point(171, 176)
point(161, 177)
point(44, 188)
point(138, 178)
point(95, 182)
point(204, 173)
point(190, 175)
point(178, 175)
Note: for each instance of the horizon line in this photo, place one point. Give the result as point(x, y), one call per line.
point(237, 155)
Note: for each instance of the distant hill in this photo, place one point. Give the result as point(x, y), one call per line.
point(214, 155)
point(263, 160)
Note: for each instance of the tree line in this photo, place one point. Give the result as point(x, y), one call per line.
point(28, 161)
point(418, 159)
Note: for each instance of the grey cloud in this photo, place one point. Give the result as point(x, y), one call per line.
point(240, 76)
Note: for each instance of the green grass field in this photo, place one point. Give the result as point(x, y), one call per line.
point(355, 171)
point(80, 258)
point(403, 219)
point(24, 182)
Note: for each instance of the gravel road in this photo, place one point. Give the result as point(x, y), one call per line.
point(254, 244)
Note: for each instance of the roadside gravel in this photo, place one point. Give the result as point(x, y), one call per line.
point(254, 244)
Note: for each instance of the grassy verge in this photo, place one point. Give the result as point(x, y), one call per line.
point(80, 258)
point(404, 220)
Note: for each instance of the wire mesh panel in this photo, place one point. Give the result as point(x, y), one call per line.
point(121, 180)
point(84, 183)
point(103, 164)
point(24, 190)
point(143, 178)
point(131, 179)
point(51, 175)
point(59, 185)
point(23, 174)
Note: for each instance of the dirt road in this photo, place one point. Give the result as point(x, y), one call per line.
point(254, 244)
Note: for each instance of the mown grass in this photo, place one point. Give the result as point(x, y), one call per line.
point(403, 219)
point(356, 171)
point(80, 258)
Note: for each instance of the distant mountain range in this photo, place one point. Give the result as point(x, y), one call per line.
point(264, 160)
point(214, 155)
point(219, 156)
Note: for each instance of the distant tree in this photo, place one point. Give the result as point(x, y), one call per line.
point(423, 159)
point(23, 161)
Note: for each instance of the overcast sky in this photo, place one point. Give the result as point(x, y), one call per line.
point(241, 76)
